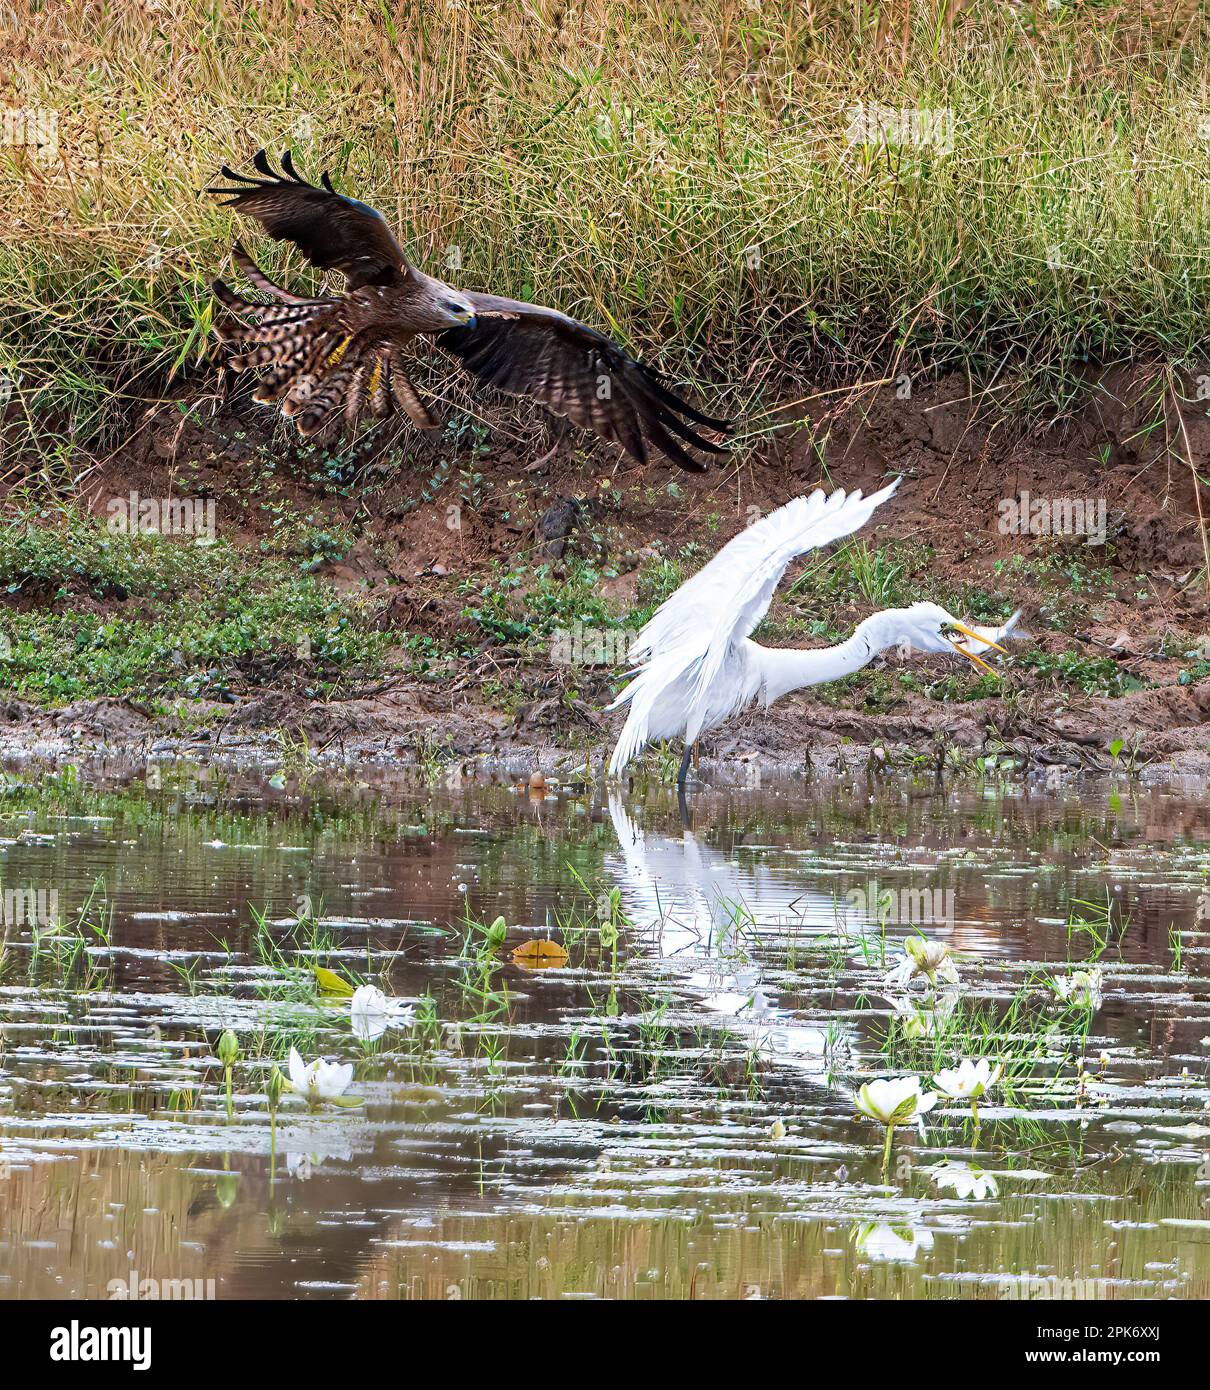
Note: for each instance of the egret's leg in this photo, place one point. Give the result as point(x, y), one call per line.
point(684, 769)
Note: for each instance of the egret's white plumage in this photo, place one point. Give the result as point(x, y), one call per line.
point(696, 666)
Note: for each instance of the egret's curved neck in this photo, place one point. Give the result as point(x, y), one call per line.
point(785, 668)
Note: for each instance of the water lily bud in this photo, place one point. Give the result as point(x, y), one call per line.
point(228, 1048)
point(497, 932)
point(273, 1087)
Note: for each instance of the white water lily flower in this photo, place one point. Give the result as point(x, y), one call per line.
point(921, 956)
point(373, 1013)
point(300, 1165)
point(969, 1080)
point(921, 1020)
point(894, 1100)
point(965, 1181)
point(882, 1242)
point(320, 1080)
point(1083, 988)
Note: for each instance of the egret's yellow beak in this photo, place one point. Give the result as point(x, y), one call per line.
point(982, 641)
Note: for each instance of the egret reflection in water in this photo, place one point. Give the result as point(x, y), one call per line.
point(688, 898)
point(695, 905)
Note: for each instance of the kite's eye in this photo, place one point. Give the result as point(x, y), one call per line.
point(461, 314)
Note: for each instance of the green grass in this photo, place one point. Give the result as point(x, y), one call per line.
point(92, 613)
point(1094, 675)
point(686, 179)
point(857, 576)
point(522, 607)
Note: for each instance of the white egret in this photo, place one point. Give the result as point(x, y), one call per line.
point(696, 665)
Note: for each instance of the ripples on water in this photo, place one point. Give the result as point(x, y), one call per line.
point(591, 1131)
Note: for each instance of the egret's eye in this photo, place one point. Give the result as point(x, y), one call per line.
point(451, 307)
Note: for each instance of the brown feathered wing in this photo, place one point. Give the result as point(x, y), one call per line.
point(316, 363)
point(577, 372)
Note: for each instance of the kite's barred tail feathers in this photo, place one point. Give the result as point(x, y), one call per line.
point(307, 361)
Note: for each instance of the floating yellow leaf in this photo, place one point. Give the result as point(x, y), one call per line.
point(540, 954)
point(330, 982)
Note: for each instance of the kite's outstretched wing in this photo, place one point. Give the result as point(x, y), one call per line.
point(332, 231)
point(520, 348)
point(528, 350)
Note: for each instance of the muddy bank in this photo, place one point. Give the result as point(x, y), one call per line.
point(437, 522)
point(1162, 732)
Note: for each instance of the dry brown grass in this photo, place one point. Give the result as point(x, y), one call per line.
point(685, 181)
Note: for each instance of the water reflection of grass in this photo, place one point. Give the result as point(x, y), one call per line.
point(64, 953)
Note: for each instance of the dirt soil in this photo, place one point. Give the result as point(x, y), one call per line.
point(539, 490)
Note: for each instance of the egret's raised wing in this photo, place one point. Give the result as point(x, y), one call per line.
point(753, 572)
point(727, 598)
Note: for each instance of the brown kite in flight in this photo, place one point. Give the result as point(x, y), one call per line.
point(329, 358)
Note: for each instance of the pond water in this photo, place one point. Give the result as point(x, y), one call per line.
point(666, 1113)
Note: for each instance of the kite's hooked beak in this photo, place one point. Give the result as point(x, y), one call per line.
point(982, 641)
